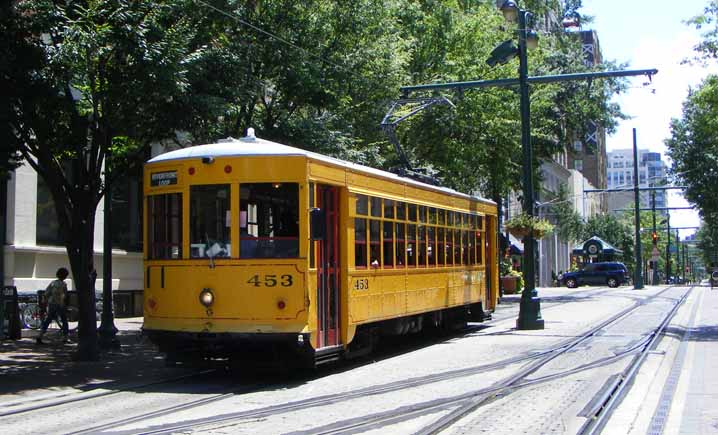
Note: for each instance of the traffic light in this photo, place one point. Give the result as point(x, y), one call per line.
point(655, 237)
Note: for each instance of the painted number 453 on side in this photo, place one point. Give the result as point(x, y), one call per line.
point(361, 284)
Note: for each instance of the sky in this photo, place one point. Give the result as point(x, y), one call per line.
point(649, 34)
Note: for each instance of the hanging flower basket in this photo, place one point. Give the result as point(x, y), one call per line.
point(521, 225)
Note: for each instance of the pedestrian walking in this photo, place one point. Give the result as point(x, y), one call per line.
point(55, 294)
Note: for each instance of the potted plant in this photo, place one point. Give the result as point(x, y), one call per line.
point(522, 224)
point(511, 280)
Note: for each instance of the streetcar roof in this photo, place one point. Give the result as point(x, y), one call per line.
point(261, 147)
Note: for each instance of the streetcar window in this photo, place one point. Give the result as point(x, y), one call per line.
point(411, 245)
point(375, 206)
point(465, 247)
point(400, 245)
point(375, 243)
point(388, 209)
point(401, 211)
point(440, 246)
point(421, 247)
point(412, 212)
point(431, 249)
point(457, 247)
point(362, 205)
point(210, 221)
point(432, 215)
point(472, 246)
point(388, 242)
point(449, 247)
point(360, 251)
point(442, 217)
point(164, 230)
point(422, 214)
point(269, 220)
point(480, 249)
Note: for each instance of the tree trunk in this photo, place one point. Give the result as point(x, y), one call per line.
point(80, 251)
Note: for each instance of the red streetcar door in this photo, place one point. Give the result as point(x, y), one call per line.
point(328, 271)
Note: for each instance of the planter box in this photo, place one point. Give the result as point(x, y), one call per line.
point(508, 283)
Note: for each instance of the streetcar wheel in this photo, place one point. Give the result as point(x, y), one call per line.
point(571, 283)
point(31, 316)
point(612, 282)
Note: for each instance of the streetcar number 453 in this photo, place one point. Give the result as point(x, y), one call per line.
point(271, 280)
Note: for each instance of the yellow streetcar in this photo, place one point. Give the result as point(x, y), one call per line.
point(258, 250)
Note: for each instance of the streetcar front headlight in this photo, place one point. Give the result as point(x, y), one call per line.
point(206, 297)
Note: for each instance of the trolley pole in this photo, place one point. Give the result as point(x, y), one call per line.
point(638, 272)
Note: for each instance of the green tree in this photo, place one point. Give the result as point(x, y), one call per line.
point(568, 223)
point(693, 148)
point(92, 79)
point(707, 49)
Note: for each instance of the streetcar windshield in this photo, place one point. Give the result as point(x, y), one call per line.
point(210, 221)
point(269, 220)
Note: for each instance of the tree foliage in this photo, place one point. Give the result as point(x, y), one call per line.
point(707, 49)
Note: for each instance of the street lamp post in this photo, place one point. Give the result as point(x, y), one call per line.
point(530, 307)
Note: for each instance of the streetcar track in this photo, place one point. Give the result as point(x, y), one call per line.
point(72, 397)
point(396, 386)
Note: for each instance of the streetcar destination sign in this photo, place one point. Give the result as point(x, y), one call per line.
point(163, 178)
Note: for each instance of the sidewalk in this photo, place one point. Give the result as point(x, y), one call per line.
point(28, 369)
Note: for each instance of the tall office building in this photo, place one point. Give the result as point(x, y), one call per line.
point(652, 171)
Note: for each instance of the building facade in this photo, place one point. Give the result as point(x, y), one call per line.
point(588, 154)
point(33, 247)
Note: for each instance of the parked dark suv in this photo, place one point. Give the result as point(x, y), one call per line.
point(609, 273)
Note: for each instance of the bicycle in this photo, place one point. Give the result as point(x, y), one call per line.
point(32, 315)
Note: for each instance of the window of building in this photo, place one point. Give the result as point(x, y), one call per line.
point(269, 220)
point(578, 165)
point(127, 213)
point(47, 227)
point(164, 232)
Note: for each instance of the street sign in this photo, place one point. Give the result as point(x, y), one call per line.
point(655, 254)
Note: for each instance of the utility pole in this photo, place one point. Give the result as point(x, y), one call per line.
point(638, 272)
point(668, 249)
point(654, 280)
